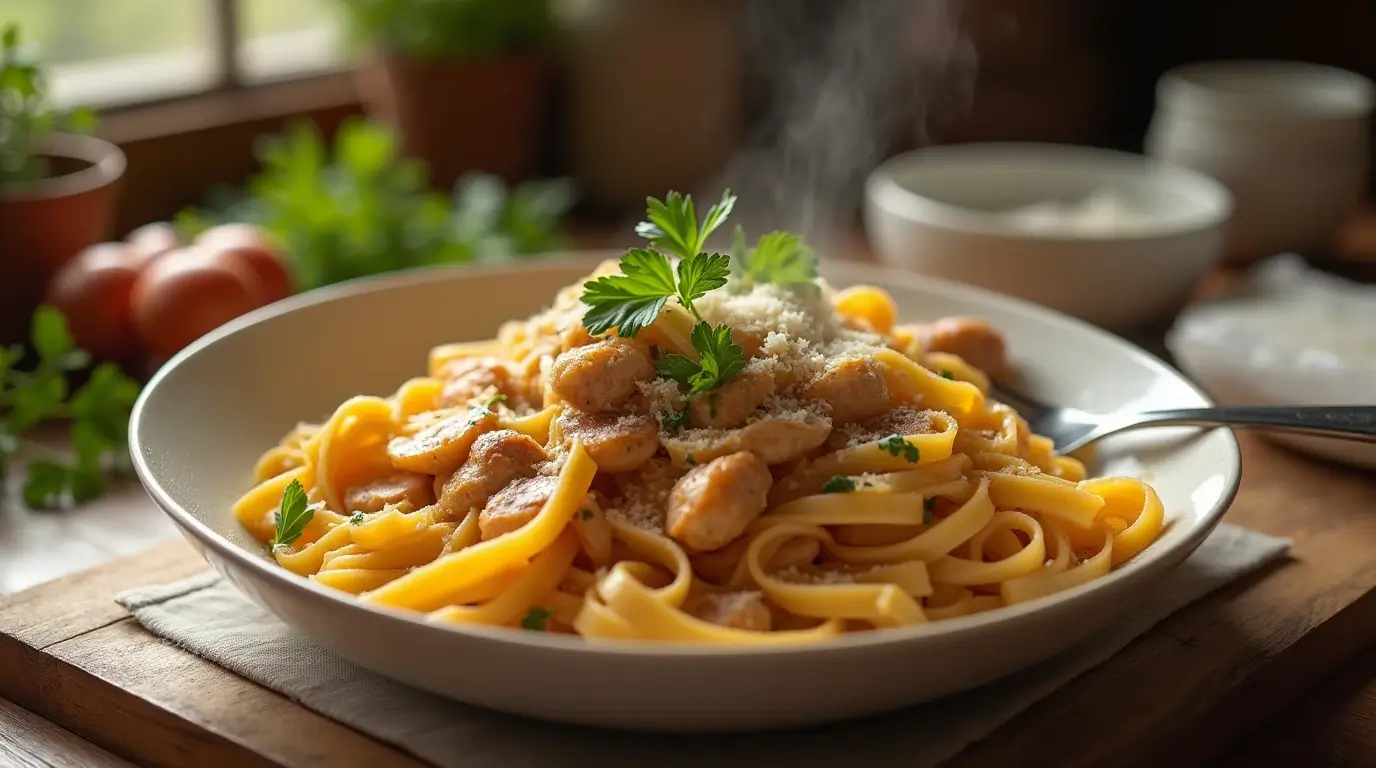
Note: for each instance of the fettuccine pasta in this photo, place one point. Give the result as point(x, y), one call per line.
point(852, 473)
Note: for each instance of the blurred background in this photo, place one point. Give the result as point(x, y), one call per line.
point(361, 136)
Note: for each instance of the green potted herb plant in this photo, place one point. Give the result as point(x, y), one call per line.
point(463, 81)
point(57, 186)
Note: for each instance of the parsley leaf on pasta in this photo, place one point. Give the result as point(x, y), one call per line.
point(293, 516)
point(699, 274)
point(838, 484)
point(781, 258)
point(633, 299)
point(673, 223)
point(898, 446)
point(536, 618)
point(719, 360)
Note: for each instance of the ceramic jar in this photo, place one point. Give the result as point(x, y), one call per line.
point(1290, 140)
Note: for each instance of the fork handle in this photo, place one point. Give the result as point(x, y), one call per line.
point(1350, 422)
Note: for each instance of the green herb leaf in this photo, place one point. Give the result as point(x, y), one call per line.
point(50, 335)
point(680, 368)
point(898, 446)
point(838, 484)
point(948, 375)
point(720, 358)
point(536, 619)
point(45, 484)
point(780, 258)
point(699, 274)
point(690, 460)
point(632, 300)
point(357, 518)
point(293, 515)
point(674, 420)
point(585, 514)
point(716, 216)
point(673, 226)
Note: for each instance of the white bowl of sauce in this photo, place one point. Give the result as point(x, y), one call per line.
point(1117, 239)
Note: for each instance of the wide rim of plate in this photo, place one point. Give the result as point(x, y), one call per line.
point(847, 642)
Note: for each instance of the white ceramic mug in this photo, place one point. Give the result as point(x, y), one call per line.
point(1290, 140)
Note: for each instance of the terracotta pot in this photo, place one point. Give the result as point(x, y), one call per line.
point(655, 95)
point(45, 223)
point(460, 115)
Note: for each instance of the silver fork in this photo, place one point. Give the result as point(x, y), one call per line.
point(1071, 428)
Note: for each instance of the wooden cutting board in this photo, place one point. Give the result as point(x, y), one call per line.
point(1179, 695)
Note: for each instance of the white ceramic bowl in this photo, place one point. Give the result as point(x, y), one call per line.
point(1289, 139)
point(204, 418)
point(941, 211)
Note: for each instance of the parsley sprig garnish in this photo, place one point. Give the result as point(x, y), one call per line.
point(634, 299)
point(781, 258)
point(673, 223)
point(719, 359)
point(898, 446)
point(293, 516)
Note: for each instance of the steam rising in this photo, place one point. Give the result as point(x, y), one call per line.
point(843, 81)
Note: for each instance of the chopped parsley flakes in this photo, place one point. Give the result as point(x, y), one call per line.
point(896, 445)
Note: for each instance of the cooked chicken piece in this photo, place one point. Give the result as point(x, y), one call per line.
point(615, 442)
point(496, 459)
point(373, 495)
point(471, 377)
point(731, 404)
point(854, 389)
point(439, 448)
point(900, 421)
point(774, 439)
point(970, 339)
point(738, 610)
point(713, 504)
point(601, 376)
point(515, 505)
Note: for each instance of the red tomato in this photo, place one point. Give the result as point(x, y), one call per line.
point(93, 290)
point(255, 248)
point(152, 240)
point(188, 294)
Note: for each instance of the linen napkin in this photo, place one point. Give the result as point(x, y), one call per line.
point(207, 616)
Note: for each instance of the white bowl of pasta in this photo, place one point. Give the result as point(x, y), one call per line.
point(733, 577)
